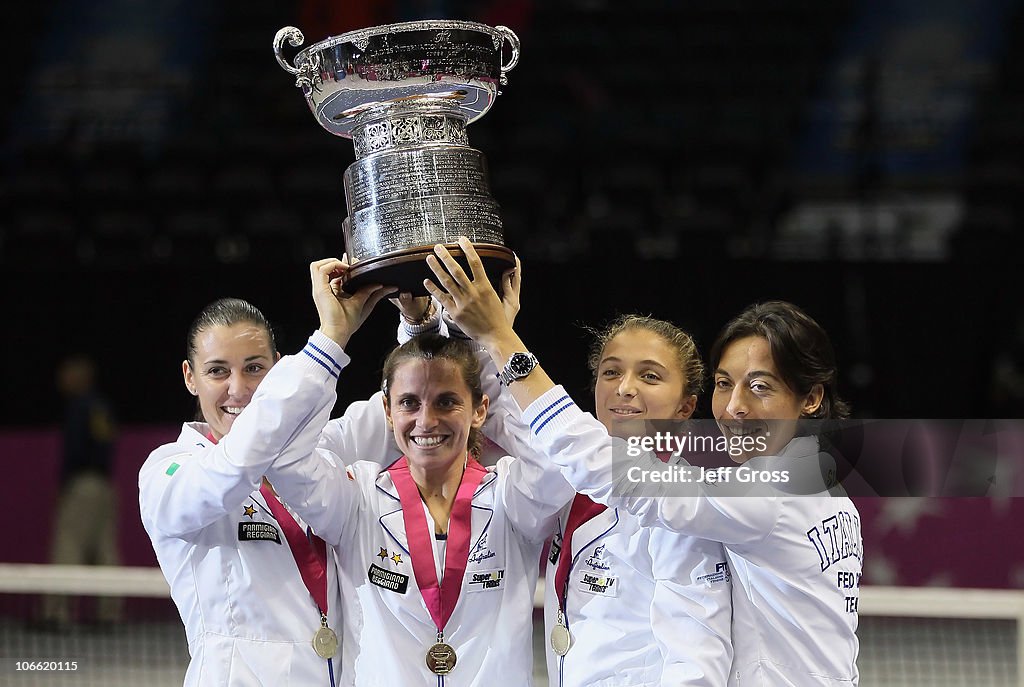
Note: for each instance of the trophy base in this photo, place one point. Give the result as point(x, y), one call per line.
point(406, 269)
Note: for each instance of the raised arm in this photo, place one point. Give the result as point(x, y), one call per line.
point(535, 490)
point(183, 490)
point(300, 473)
point(576, 441)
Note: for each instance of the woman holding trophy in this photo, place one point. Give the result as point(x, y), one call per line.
point(257, 596)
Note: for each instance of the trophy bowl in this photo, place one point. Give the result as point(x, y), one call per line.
point(404, 93)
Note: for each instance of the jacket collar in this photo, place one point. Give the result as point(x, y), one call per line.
point(393, 521)
point(593, 529)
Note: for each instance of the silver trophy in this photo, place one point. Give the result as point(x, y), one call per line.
point(404, 93)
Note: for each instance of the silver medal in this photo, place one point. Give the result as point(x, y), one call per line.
point(561, 640)
point(325, 642)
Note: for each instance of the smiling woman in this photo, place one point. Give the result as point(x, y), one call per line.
point(230, 349)
point(637, 353)
point(435, 405)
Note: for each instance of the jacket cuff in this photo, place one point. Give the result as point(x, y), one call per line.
point(454, 331)
point(552, 412)
point(321, 352)
point(406, 330)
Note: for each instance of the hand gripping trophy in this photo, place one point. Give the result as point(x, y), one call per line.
point(404, 93)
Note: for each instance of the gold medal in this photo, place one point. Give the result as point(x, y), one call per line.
point(441, 659)
point(325, 642)
point(561, 640)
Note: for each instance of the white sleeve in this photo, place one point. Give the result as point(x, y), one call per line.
point(434, 325)
point(318, 485)
point(362, 433)
point(691, 611)
point(581, 446)
point(185, 491)
point(535, 490)
point(320, 488)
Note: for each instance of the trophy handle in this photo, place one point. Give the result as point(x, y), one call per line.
point(509, 35)
point(303, 75)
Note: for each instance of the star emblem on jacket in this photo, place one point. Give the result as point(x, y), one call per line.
point(249, 510)
point(397, 558)
point(382, 554)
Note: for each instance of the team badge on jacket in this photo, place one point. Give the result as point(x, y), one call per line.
point(720, 575)
point(480, 551)
point(388, 579)
point(258, 531)
point(598, 584)
point(489, 579)
point(597, 560)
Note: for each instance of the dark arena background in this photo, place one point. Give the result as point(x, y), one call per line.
point(864, 160)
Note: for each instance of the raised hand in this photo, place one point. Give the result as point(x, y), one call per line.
point(414, 310)
point(475, 307)
point(471, 301)
point(341, 313)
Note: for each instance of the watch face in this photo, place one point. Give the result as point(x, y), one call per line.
point(520, 364)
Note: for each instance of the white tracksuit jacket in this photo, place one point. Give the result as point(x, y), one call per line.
point(644, 606)
point(795, 560)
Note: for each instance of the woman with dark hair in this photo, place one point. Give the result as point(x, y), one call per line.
point(623, 604)
point(437, 554)
point(799, 347)
point(795, 558)
point(257, 596)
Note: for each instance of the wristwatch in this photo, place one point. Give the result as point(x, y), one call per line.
point(518, 366)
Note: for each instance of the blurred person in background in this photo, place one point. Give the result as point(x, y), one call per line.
point(85, 529)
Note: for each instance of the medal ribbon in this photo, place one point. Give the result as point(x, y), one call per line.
point(310, 553)
point(439, 598)
point(583, 508)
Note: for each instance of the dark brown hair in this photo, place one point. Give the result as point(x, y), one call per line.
point(225, 312)
point(800, 348)
point(433, 346)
